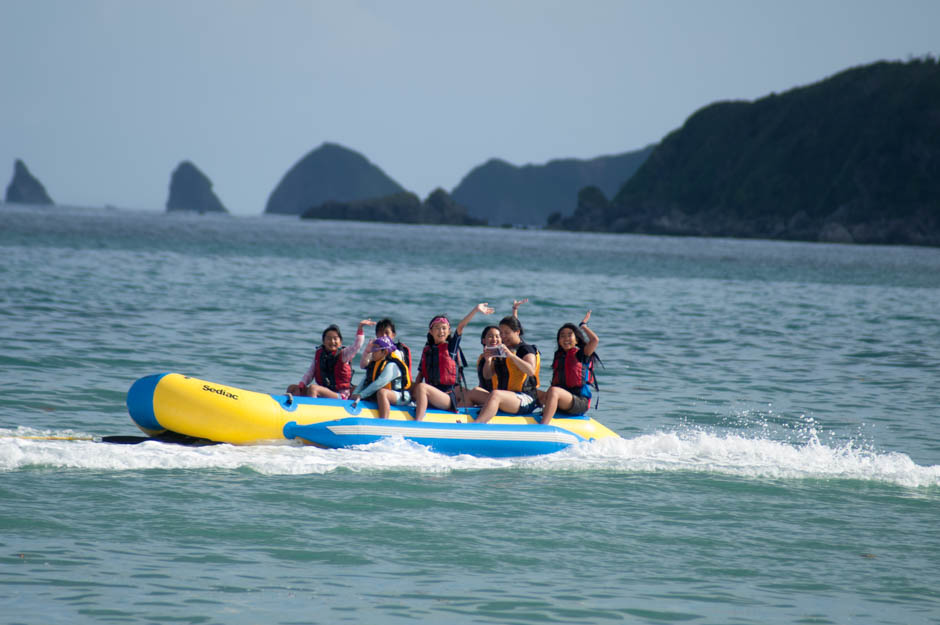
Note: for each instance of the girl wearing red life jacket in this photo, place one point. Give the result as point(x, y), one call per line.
point(570, 371)
point(330, 374)
point(438, 371)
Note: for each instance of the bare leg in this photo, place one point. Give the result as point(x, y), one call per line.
point(420, 395)
point(555, 398)
point(315, 390)
point(475, 397)
point(507, 401)
point(382, 398)
point(433, 396)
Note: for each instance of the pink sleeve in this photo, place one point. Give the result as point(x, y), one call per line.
point(351, 350)
point(308, 377)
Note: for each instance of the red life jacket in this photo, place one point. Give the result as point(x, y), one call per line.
point(438, 367)
point(330, 370)
point(571, 373)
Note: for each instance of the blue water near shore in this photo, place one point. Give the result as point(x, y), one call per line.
point(778, 404)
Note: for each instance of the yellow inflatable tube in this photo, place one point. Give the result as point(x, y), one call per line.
point(217, 412)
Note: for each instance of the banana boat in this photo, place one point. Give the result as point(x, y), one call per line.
point(172, 403)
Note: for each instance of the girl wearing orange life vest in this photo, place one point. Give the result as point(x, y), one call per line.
point(490, 339)
point(386, 327)
point(570, 371)
point(330, 374)
point(438, 372)
point(514, 372)
point(387, 378)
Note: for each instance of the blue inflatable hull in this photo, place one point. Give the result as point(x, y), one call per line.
point(475, 439)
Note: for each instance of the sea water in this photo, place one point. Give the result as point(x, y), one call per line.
point(778, 405)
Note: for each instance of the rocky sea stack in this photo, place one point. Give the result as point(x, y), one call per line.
point(191, 190)
point(24, 188)
point(329, 173)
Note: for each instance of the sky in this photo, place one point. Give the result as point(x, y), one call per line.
point(102, 99)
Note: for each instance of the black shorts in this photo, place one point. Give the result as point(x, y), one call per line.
point(579, 405)
point(527, 403)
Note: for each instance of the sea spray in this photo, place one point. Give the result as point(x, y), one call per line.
point(677, 451)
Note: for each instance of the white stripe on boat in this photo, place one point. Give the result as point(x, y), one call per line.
point(557, 436)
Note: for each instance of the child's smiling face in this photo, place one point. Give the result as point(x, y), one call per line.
point(566, 339)
point(440, 331)
point(509, 336)
point(331, 341)
point(492, 337)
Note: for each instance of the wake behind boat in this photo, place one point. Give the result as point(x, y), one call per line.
point(183, 405)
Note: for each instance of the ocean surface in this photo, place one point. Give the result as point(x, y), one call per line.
point(779, 405)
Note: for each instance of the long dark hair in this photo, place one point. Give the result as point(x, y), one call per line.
point(485, 330)
point(580, 339)
point(578, 335)
point(334, 328)
point(513, 324)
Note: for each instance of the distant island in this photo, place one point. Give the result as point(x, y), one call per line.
point(191, 190)
point(24, 188)
point(329, 173)
point(496, 192)
point(404, 207)
point(501, 193)
point(853, 158)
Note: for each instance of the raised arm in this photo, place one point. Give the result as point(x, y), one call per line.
point(366, 355)
point(351, 350)
point(516, 303)
point(592, 338)
point(482, 308)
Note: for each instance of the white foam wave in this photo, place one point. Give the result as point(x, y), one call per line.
point(692, 451)
point(25, 448)
point(731, 454)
